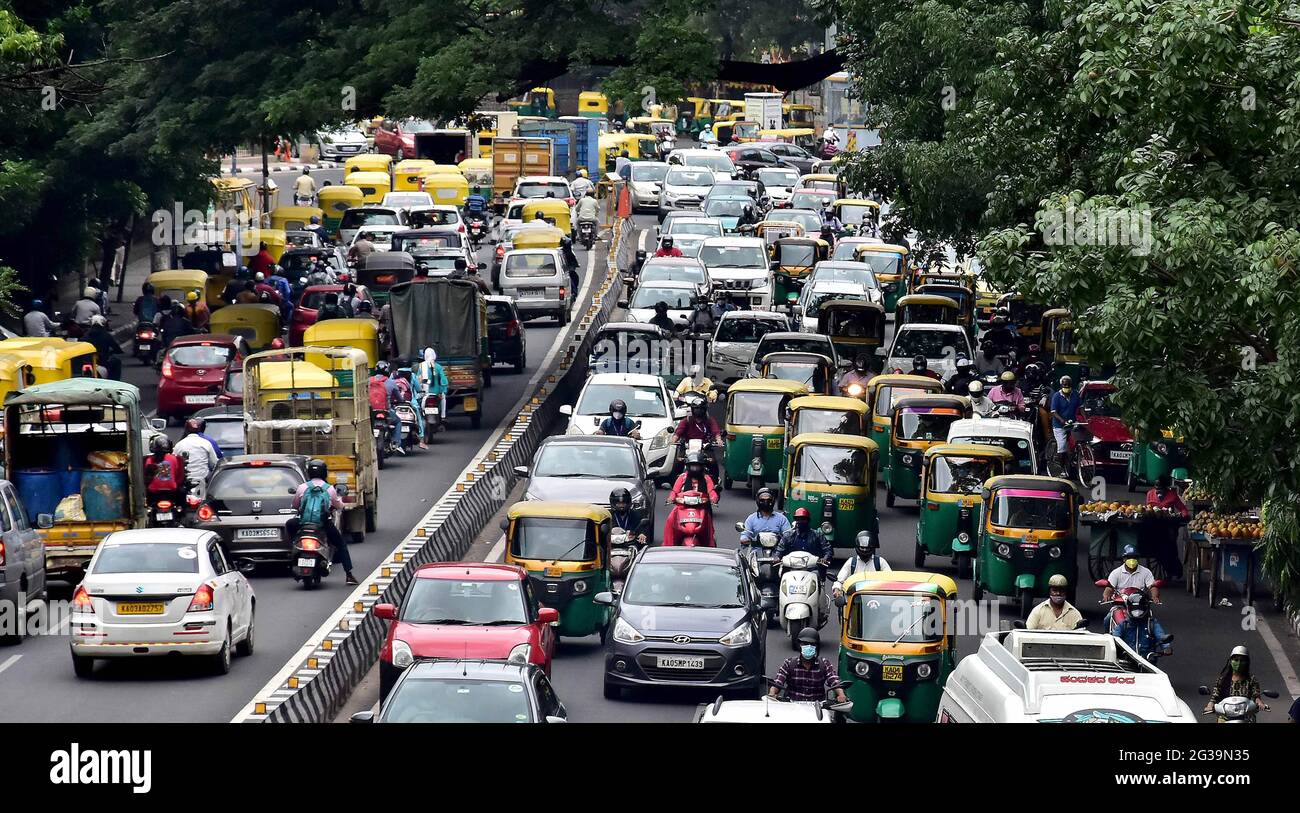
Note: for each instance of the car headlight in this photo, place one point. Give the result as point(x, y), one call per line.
point(924, 671)
point(638, 501)
point(580, 586)
point(740, 636)
point(1055, 553)
point(402, 655)
point(660, 440)
point(624, 632)
point(521, 653)
point(1004, 550)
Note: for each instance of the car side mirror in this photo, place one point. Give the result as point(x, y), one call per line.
point(362, 717)
point(548, 615)
point(44, 521)
point(522, 471)
point(566, 410)
point(505, 524)
point(605, 598)
point(386, 612)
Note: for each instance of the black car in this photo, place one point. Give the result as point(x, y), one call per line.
point(750, 157)
point(225, 424)
point(248, 501)
point(469, 691)
point(509, 344)
point(687, 617)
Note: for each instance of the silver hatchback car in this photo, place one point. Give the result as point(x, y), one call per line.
point(538, 282)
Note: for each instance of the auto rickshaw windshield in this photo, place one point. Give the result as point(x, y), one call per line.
point(925, 425)
point(806, 374)
point(1030, 508)
point(815, 302)
point(756, 409)
point(801, 254)
point(886, 397)
point(656, 584)
point(904, 619)
point(834, 421)
point(929, 313)
point(882, 263)
point(554, 539)
point(846, 324)
point(853, 215)
point(832, 465)
point(960, 475)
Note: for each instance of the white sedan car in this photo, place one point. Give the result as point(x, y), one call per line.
point(648, 401)
point(161, 591)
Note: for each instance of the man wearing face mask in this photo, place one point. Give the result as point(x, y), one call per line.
point(1064, 407)
point(1056, 613)
point(1131, 574)
point(1165, 496)
point(802, 537)
point(806, 676)
point(859, 374)
point(618, 424)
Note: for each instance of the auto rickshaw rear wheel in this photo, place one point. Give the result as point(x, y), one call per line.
point(1026, 602)
point(918, 556)
point(755, 485)
point(963, 566)
point(372, 512)
point(889, 497)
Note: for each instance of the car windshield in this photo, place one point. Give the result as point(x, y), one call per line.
point(745, 330)
point(647, 296)
point(881, 263)
point(642, 402)
point(961, 475)
point(915, 425)
point(226, 433)
point(726, 207)
point(423, 700)
point(432, 217)
point(255, 483)
point(200, 355)
point(807, 199)
point(313, 300)
point(933, 344)
point(296, 265)
point(778, 177)
point(531, 265)
point(827, 420)
point(593, 460)
point(554, 539)
point(678, 227)
point(733, 257)
point(756, 409)
point(146, 557)
point(649, 172)
point(689, 177)
point(832, 464)
point(538, 189)
point(811, 221)
point(1028, 508)
point(356, 218)
point(715, 161)
point(906, 619)
point(1097, 404)
point(464, 601)
point(667, 584)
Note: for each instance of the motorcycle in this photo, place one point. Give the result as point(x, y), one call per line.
point(383, 433)
point(761, 558)
point(708, 451)
point(147, 343)
point(692, 520)
point(1119, 610)
point(622, 550)
point(164, 514)
point(478, 229)
point(410, 426)
point(587, 233)
point(432, 416)
point(1236, 709)
point(802, 596)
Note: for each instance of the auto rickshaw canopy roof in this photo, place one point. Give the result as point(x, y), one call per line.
point(547, 206)
point(339, 332)
point(556, 509)
point(1057, 313)
point(800, 240)
point(475, 165)
point(968, 450)
point(549, 237)
point(362, 178)
point(933, 401)
point(337, 193)
point(881, 248)
point(838, 403)
point(842, 305)
point(179, 278)
point(831, 439)
point(780, 385)
point(901, 581)
point(818, 176)
point(1031, 481)
point(928, 299)
point(856, 202)
point(282, 215)
point(904, 380)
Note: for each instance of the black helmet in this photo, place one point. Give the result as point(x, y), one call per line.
point(366, 306)
point(620, 498)
point(349, 289)
point(539, 216)
point(694, 460)
point(382, 367)
point(866, 542)
point(661, 307)
point(699, 408)
point(161, 444)
point(919, 363)
point(618, 405)
point(316, 469)
point(667, 241)
point(195, 425)
point(1137, 605)
point(860, 363)
point(808, 635)
point(147, 288)
point(765, 498)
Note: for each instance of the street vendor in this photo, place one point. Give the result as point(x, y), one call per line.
point(1165, 538)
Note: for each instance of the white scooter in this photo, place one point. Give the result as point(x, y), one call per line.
point(1236, 709)
point(802, 598)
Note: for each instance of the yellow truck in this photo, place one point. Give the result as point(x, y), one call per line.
point(515, 157)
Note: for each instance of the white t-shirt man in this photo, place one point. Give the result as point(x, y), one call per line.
point(1121, 578)
point(201, 460)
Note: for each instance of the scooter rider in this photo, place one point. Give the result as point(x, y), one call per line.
point(765, 519)
point(201, 456)
point(959, 384)
point(1007, 392)
point(866, 558)
point(1131, 573)
point(431, 379)
point(626, 517)
point(1000, 337)
point(667, 249)
point(316, 474)
point(165, 472)
point(382, 396)
point(699, 425)
point(806, 676)
point(588, 210)
point(979, 405)
point(1236, 680)
point(1140, 629)
point(581, 186)
point(859, 373)
point(697, 382)
point(661, 319)
point(693, 479)
point(803, 537)
point(618, 424)
point(921, 367)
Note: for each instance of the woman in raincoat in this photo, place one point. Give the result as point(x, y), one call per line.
point(431, 379)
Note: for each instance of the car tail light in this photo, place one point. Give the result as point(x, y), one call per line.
point(461, 228)
point(167, 368)
point(81, 600)
point(563, 292)
point(203, 599)
point(512, 328)
point(501, 252)
point(205, 512)
point(164, 505)
point(2, 553)
point(309, 543)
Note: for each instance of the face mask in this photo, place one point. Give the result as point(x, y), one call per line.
point(1056, 599)
point(1131, 564)
point(1065, 390)
point(1237, 664)
point(808, 651)
point(618, 416)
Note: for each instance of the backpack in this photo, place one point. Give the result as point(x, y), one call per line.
point(378, 393)
point(314, 507)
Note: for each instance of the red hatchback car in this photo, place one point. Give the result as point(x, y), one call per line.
point(469, 610)
point(313, 297)
point(397, 138)
point(1114, 441)
point(194, 372)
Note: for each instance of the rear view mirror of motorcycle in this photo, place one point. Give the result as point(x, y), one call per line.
point(158, 423)
point(740, 526)
point(1101, 583)
point(1204, 690)
point(341, 490)
point(505, 523)
point(1082, 625)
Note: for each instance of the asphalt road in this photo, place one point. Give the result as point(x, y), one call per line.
point(171, 690)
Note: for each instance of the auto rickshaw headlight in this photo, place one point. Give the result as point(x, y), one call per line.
point(862, 669)
point(907, 460)
point(1161, 448)
point(580, 586)
point(827, 529)
point(924, 671)
point(1054, 552)
point(1004, 550)
point(402, 655)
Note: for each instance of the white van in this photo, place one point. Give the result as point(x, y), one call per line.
point(1028, 676)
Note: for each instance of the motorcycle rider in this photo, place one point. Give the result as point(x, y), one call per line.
point(1000, 337)
point(316, 477)
point(920, 366)
point(697, 381)
point(431, 379)
point(667, 249)
point(304, 189)
point(570, 264)
point(314, 226)
point(86, 307)
point(699, 425)
point(626, 517)
point(866, 558)
point(1235, 680)
point(1131, 573)
point(1008, 393)
point(806, 676)
point(859, 373)
point(1140, 629)
point(588, 211)
point(618, 424)
point(581, 185)
point(1056, 613)
point(173, 324)
point(106, 347)
point(979, 405)
point(165, 473)
point(701, 321)
point(201, 454)
point(765, 519)
point(662, 319)
point(382, 395)
point(37, 323)
point(146, 304)
point(803, 537)
point(959, 384)
point(723, 303)
point(692, 479)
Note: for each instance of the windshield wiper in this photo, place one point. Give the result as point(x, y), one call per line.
point(448, 621)
point(502, 623)
point(676, 604)
point(720, 606)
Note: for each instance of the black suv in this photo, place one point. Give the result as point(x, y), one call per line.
point(506, 336)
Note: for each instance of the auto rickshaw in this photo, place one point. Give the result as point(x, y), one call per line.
point(369, 162)
point(257, 322)
point(537, 238)
point(739, 131)
point(334, 201)
point(1028, 533)
point(652, 125)
point(384, 269)
point(537, 102)
point(833, 414)
point(552, 209)
point(918, 423)
point(834, 477)
point(951, 478)
point(447, 188)
point(564, 546)
point(1059, 347)
point(793, 259)
point(1026, 317)
point(478, 172)
point(592, 104)
point(884, 391)
point(772, 230)
point(818, 180)
point(15, 374)
point(805, 137)
point(959, 294)
point(755, 430)
point(854, 328)
point(798, 115)
point(898, 644)
point(275, 239)
point(293, 218)
point(408, 175)
point(889, 262)
point(373, 185)
point(53, 359)
point(938, 310)
point(698, 115)
point(640, 147)
point(361, 333)
point(812, 370)
point(177, 283)
point(1167, 455)
point(859, 214)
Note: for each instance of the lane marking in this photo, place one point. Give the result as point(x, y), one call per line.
point(498, 550)
point(1284, 666)
point(330, 625)
point(10, 662)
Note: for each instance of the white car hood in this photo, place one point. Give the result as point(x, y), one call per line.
point(737, 273)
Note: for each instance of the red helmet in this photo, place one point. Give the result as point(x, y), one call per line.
point(802, 513)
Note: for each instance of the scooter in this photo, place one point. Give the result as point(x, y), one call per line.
point(692, 520)
point(587, 233)
point(383, 435)
point(622, 550)
point(313, 555)
point(432, 407)
point(1236, 709)
point(801, 597)
point(761, 558)
point(478, 229)
point(1119, 610)
point(410, 426)
point(146, 343)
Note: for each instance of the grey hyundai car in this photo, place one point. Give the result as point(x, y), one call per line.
point(586, 468)
point(248, 501)
point(687, 617)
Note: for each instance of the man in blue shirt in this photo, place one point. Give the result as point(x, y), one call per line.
point(1140, 629)
point(803, 537)
point(618, 424)
point(1064, 406)
point(765, 519)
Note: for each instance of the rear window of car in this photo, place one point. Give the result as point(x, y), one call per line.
point(226, 433)
point(500, 313)
point(255, 483)
point(356, 218)
point(649, 172)
point(312, 300)
point(689, 177)
point(417, 242)
point(746, 330)
point(433, 217)
point(539, 190)
point(146, 557)
point(199, 355)
point(408, 199)
point(530, 265)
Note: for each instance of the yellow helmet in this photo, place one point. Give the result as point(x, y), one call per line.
point(192, 296)
point(582, 173)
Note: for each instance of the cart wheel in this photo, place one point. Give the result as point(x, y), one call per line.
point(918, 556)
point(889, 497)
point(1130, 481)
point(476, 420)
point(1086, 465)
point(963, 566)
point(1026, 602)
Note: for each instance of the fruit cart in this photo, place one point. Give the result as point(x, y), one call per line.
point(1111, 526)
point(1224, 547)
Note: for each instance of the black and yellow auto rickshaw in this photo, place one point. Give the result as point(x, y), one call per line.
point(884, 391)
point(384, 269)
point(1060, 347)
point(564, 546)
point(832, 414)
point(755, 430)
point(854, 328)
point(834, 477)
point(813, 370)
point(1026, 317)
point(1029, 532)
point(897, 644)
point(928, 308)
point(918, 423)
point(889, 263)
point(258, 323)
point(951, 478)
point(793, 259)
point(361, 333)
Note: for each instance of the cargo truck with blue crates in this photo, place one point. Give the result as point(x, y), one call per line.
point(74, 450)
point(563, 137)
point(587, 132)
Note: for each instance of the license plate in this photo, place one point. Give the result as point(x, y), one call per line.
point(140, 608)
point(668, 662)
point(162, 515)
point(306, 563)
point(144, 346)
point(846, 503)
point(257, 533)
point(471, 404)
point(1121, 455)
point(532, 293)
point(893, 671)
point(200, 399)
point(554, 572)
point(376, 432)
point(775, 443)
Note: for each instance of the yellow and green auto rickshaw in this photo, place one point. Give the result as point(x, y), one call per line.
point(1060, 347)
point(884, 391)
point(755, 430)
point(828, 414)
point(889, 263)
point(834, 477)
point(373, 185)
point(257, 322)
point(447, 188)
point(859, 215)
point(478, 171)
point(854, 328)
point(553, 210)
point(177, 283)
point(897, 644)
point(536, 238)
point(564, 546)
point(362, 333)
point(918, 423)
point(792, 260)
point(812, 370)
point(15, 374)
point(805, 137)
point(293, 218)
point(938, 310)
point(1028, 534)
point(408, 175)
point(368, 162)
point(1165, 455)
point(772, 230)
point(951, 479)
point(592, 104)
point(697, 114)
point(334, 201)
point(1026, 317)
point(735, 130)
point(537, 102)
point(799, 116)
point(958, 293)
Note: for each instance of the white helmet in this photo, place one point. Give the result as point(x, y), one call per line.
point(1240, 650)
point(976, 389)
point(91, 292)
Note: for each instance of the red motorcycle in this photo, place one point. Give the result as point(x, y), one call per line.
point(689, 523)
point(1118, 609)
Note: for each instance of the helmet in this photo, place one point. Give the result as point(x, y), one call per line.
point(161, 444)
point(865, 541)
point(620, 498)
point(582, 173)
point(147, 288)
point(195, 425)
point(860, 363)
point(919, 363)
point(661, 307)
point(667, 241)
point(976, 389)
point(802, 513)
point(694, 460)
point(808, 635)
point(258, 277)
point(91, 292)
point(618, 405)
point(1058, 580)
point(699, 409)
point(539, 216)
point(1240, 651)
point(964, 364)
point(765, 498)
point(1007, 377)
point(98, 321)
point(349, 289)
point(193, 296)
point(315, 219)
point(1066, 381)
point(306, 171)
point(316, 469)
point(1137, 605)
point(382, 367)
point(366, 306)
point(38, 304)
